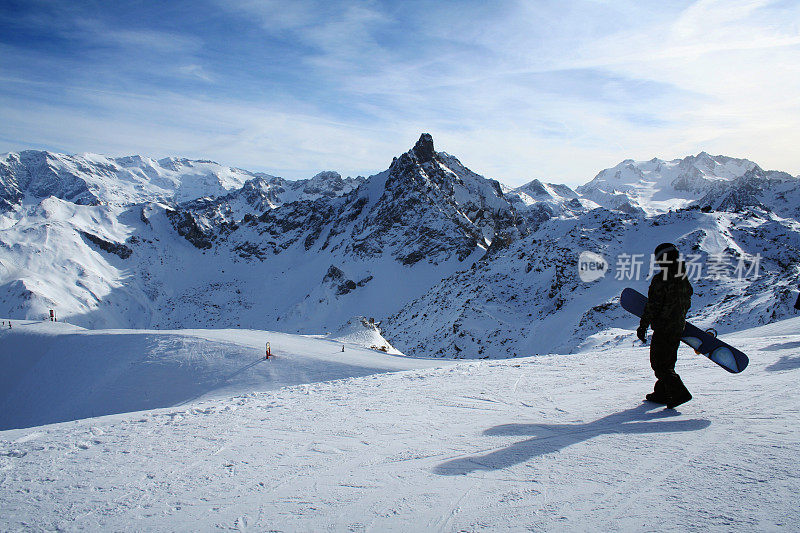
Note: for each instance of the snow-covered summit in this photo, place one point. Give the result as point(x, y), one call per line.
point(92, 179)
point(426, 205)
point(767, 190)
point(539, 201)
point(657, 186)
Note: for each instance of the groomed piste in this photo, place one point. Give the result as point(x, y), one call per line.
point(542, 443)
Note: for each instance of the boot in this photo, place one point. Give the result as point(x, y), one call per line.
point(659, 395)
point(656, 398)
point(678, 399)
point(679, 394)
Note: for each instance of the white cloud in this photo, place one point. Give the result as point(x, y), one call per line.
point(517, 90)
point(257, 138)
point(195, 71)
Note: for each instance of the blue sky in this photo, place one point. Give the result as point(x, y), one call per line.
point(516, 90)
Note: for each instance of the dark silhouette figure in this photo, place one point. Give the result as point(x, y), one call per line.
point(668, 301)
point(550, 438)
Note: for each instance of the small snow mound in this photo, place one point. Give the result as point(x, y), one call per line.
point(364, 332)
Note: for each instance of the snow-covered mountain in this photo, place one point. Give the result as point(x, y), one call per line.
point(528, 298)
point(657, 186)
point(92, 179)
point(449, 262)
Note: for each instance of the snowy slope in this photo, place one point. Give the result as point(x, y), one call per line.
point(528, 298)
point(362, 332)
point(546, 443)
point(55, 372)
point(656, 186)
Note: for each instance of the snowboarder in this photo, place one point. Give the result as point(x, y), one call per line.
point(668, 300)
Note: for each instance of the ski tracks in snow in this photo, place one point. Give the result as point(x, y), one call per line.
point(554, 442)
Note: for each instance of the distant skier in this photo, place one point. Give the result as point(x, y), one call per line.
point(268, 351)
point(668, 300)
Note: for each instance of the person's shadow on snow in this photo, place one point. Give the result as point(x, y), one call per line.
point(786, 362)
point(549, 438)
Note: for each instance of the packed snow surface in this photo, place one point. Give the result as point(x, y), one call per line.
point(555, 442)
point(55, 372)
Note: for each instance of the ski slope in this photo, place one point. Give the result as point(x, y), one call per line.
point(56, 372)
point(555, 442)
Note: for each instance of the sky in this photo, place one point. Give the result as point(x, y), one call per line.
point(556, 90)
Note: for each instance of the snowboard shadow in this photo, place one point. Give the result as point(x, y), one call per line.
point(781, 346)
point(550, 438)
point(786, 362)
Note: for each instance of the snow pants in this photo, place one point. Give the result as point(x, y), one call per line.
point(663, 356)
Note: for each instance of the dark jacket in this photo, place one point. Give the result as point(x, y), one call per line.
point(668, 301)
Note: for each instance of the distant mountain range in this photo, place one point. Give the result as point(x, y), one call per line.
point(451, 263)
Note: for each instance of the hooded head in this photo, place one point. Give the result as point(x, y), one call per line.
point(667, 256)
point(666, 252)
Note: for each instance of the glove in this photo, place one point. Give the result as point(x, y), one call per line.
point(641, 333)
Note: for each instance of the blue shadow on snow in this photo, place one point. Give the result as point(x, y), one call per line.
point(787, 362)
point(550, 438)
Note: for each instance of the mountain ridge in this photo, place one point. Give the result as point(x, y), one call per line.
point(454, 264)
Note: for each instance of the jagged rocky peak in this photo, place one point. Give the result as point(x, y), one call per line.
point(421, 155)
point(433, 173)
point(424, 148)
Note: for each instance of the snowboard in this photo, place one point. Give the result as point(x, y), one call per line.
point(703, 342)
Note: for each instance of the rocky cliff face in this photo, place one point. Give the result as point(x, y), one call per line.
point(425, 206)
